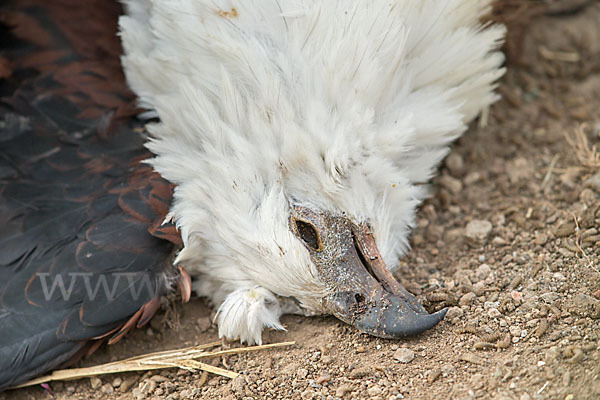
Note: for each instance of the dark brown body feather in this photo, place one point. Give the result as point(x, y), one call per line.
point(75, 201)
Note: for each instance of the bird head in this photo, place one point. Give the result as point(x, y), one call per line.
point(361, 289)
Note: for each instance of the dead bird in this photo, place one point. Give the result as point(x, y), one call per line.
point(289, 144)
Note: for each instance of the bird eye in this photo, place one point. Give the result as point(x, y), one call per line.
point(308, 234)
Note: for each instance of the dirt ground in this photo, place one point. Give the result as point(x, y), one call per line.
point(510, 241)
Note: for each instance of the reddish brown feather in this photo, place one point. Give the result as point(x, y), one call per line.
point(25, 27)
point(139, 319)
point(5, 68)
point(185, 284)
point(98, 74)
point(31, 280)
point(149, 309)
point(126, 327)
point(130, 210)
point(94, 345)
point(166, 231)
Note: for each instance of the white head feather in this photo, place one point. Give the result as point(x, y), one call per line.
point(342, 106)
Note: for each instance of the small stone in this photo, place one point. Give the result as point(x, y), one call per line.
point(518, 169)
point(454, 313)
point(477, 232)
point(472, 177)
point(585, 306)
point(117, 382)
point(515, 330)
point(137, 393)
point(498, 241)
point(494, 313)
point(483, 272)
point(342, 390)
point(323, 379)
point(374, 391)
point(434, 233)
point(516, 296)
point(455, 164)
point(308, 394)
point(404, 355)
point(541, 239)
point(467, 299)
point(549, 297)
point(107, 389)
point(360, 349)
point(302, 373)
point(203, 323)
point(479, 288)
point(238, 383)
point(95, 382)
point(528, 305)
point(214, 381)
point(147, 386)
point(454, 235)
point(490, 304)
point(559, 276)
point(453, 185)
point(433, 374)
point(127, 383)
point(170, 387)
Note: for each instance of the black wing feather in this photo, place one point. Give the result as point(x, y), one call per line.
point(76, 204)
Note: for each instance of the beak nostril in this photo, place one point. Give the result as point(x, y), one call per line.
point(360, 299)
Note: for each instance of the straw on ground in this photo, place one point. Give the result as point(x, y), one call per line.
point(185, 358)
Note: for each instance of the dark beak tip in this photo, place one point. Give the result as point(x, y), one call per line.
point(419, 323)
point(437, 317)
point(393, 326)
point(441, 313)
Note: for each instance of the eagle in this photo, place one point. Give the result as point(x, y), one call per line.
point(272, 160)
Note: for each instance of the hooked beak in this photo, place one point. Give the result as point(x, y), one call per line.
point(376, 303)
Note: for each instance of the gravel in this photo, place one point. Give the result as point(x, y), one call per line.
point(404, 355)
point(477, 232)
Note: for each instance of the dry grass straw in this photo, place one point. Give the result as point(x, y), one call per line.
point(587, 154)
point(186, 358)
